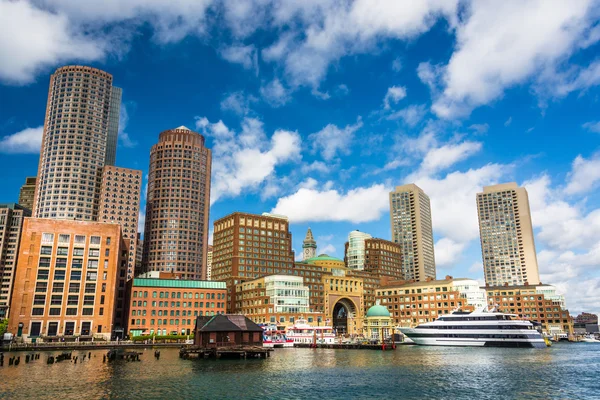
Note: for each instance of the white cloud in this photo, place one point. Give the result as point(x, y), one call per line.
point(246, 161)
point(247, 56)
point(316, 166)
point(356, 205)
point(237, 102)
point(592, 126)
point(508, 121)
point(448, 252)
point(440, 158)
point(411, 115)
point(141, 220)
point(327, 249)
point(584, 174)
point(397, 64)
point(123, 137)
point(393, 95)
point(275, 94)
point(480, 129)
point(332, 141)
point(501, 44)
point(27, 141)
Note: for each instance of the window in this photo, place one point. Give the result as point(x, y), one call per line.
point(107, 241)
point(90, 288)
point(64, 238)
point(58, 287)
point(87, 311)
point(61, 263)
point(62, 251)
point(92, 264)
point(44, 262)
point(79, 239)
point(41, 287)
point(46, 250)
point(47, 237)
point(76, 276)
point(88, 300)
point(95, 240)
point(43, 274)
point(37, 311)
point(94, 253)
point(77, 263)
point(74, 287)
point(78, 252)
point(91, 276)
point(71, 311)
point(72, 300)
point(39, 300)
point(36, 328)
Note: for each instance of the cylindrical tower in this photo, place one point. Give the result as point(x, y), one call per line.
point(73, 144)
point(177, 205)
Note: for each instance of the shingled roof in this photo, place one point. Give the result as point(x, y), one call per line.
point(227, 323)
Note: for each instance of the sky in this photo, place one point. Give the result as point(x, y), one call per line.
point(318, 109)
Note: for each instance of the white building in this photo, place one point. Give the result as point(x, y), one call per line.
point(469, 289)
point(355, 253)
point(287, 294)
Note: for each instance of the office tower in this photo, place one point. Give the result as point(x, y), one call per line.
point(138, 255)
point(113, 126)
point(177, 205)
point(120, 204)
point(74, 144)
point(66, 280)
point(507, 245)
point(209, 255)
point(410, 217)
point(355, 250)
point(309, 246)
point(27, 194)
point(11, 223)
point(249, 246)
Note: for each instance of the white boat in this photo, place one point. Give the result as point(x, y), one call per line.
point(275, 337)
point(589, 339)
point(302, 332)
point(480, 328)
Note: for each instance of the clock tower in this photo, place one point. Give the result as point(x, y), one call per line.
point(309, 246)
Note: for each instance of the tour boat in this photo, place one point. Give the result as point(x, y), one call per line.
point(301, 332)
point(589, 339)
point(275, 337)
point(478, 328)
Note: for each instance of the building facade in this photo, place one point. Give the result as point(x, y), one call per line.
point(66, 280)
point(354, 255)
point(309, 246)
point(209, 255)
point(74, 144)
point(414, 303)
point(113, 126)
point(159, 306)
point(378, 324)
point(381, 258)
point(250, 246)
point(506, 233)
point(177, 205)
point(12, 217)
point(530, 302)
point(410, 219)
point(27, 193)
point(120, 204)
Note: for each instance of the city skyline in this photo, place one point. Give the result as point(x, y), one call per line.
point(410, 114)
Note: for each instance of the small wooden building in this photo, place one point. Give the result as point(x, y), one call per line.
point(225, 330)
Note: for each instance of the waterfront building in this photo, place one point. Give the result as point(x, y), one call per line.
point(160, 305)
point(354, 255)
point(66, 280)
point(250, 246)
point(11, 224)
point(177, 205)
point(379, 257)
point(586, 323)
point(378, 324)
point(27, 193)
point(410, 220)
point(530, 302)
point(414, 303)
point(506, 233)
point(120, 204)
point(309, 246)
point(276, 299)
point(209, 255)
point(74, 143)
point(227, 330)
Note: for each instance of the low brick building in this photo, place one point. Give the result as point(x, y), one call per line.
point(162, 306)
point(227, 331)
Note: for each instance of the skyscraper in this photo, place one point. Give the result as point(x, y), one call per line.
point(507, 245)
point(27, 193)
point(120, 204)
point(74, 143)
point(177, 204)
point(309, 246)
point(355, 250)
point(410, 217)
point(113, 126)
point(376, 256)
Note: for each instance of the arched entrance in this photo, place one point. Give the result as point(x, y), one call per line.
point(343, 311)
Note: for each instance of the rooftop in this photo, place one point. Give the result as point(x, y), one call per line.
point(323, 257)
point(177, 283)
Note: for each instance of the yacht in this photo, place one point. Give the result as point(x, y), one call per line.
point(302, 332)
point(483, 327)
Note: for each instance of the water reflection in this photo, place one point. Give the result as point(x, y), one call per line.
point(563, 371)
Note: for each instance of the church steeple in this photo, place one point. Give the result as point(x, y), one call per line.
point(309, 246)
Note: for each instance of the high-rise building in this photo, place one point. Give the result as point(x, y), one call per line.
point(249, 246)
point(379, 257)
point(177, 204)
point(27, 194)
point(410, 217)
point(11, 223)
point(120, 204)
point(209, 254)
point(138, 255)
point(506, 233)
point(309, 246)
point(67, 279)
point(74, 143)
point(355, 250)
point(113, 126)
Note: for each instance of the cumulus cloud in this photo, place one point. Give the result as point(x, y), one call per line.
point(362, 204)
point(275, 94)
point(448, 252)
point(393, 95)
point(27, 141)
point(245, 161)
point(411, 115)
point(584, 174)
point(247, 56)
point(123, 137)
point(237, 102)
point(332, 141)
point(397, 64)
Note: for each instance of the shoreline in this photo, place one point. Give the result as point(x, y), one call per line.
point(85, 346)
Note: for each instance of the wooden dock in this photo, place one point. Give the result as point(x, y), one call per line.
point(240, 352)
point(347, 346)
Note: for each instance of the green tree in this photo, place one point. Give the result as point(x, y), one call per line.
point(3, 326)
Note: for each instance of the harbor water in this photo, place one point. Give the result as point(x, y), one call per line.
point(564, 371)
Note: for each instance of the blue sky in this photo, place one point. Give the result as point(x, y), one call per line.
point(317, 109)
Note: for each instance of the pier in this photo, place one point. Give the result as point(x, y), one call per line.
point(239, 352)
point(347, 346)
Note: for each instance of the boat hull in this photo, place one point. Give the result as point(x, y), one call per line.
point(426, 338)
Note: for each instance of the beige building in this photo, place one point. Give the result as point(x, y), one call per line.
point(11, 223)
point(209, 254)
point(378, 324)
point(120, 204)
point(74, 143)
point(27, 193)
point(66, 281)
point(410, 218)
point(506, 233)
point(177, 205)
